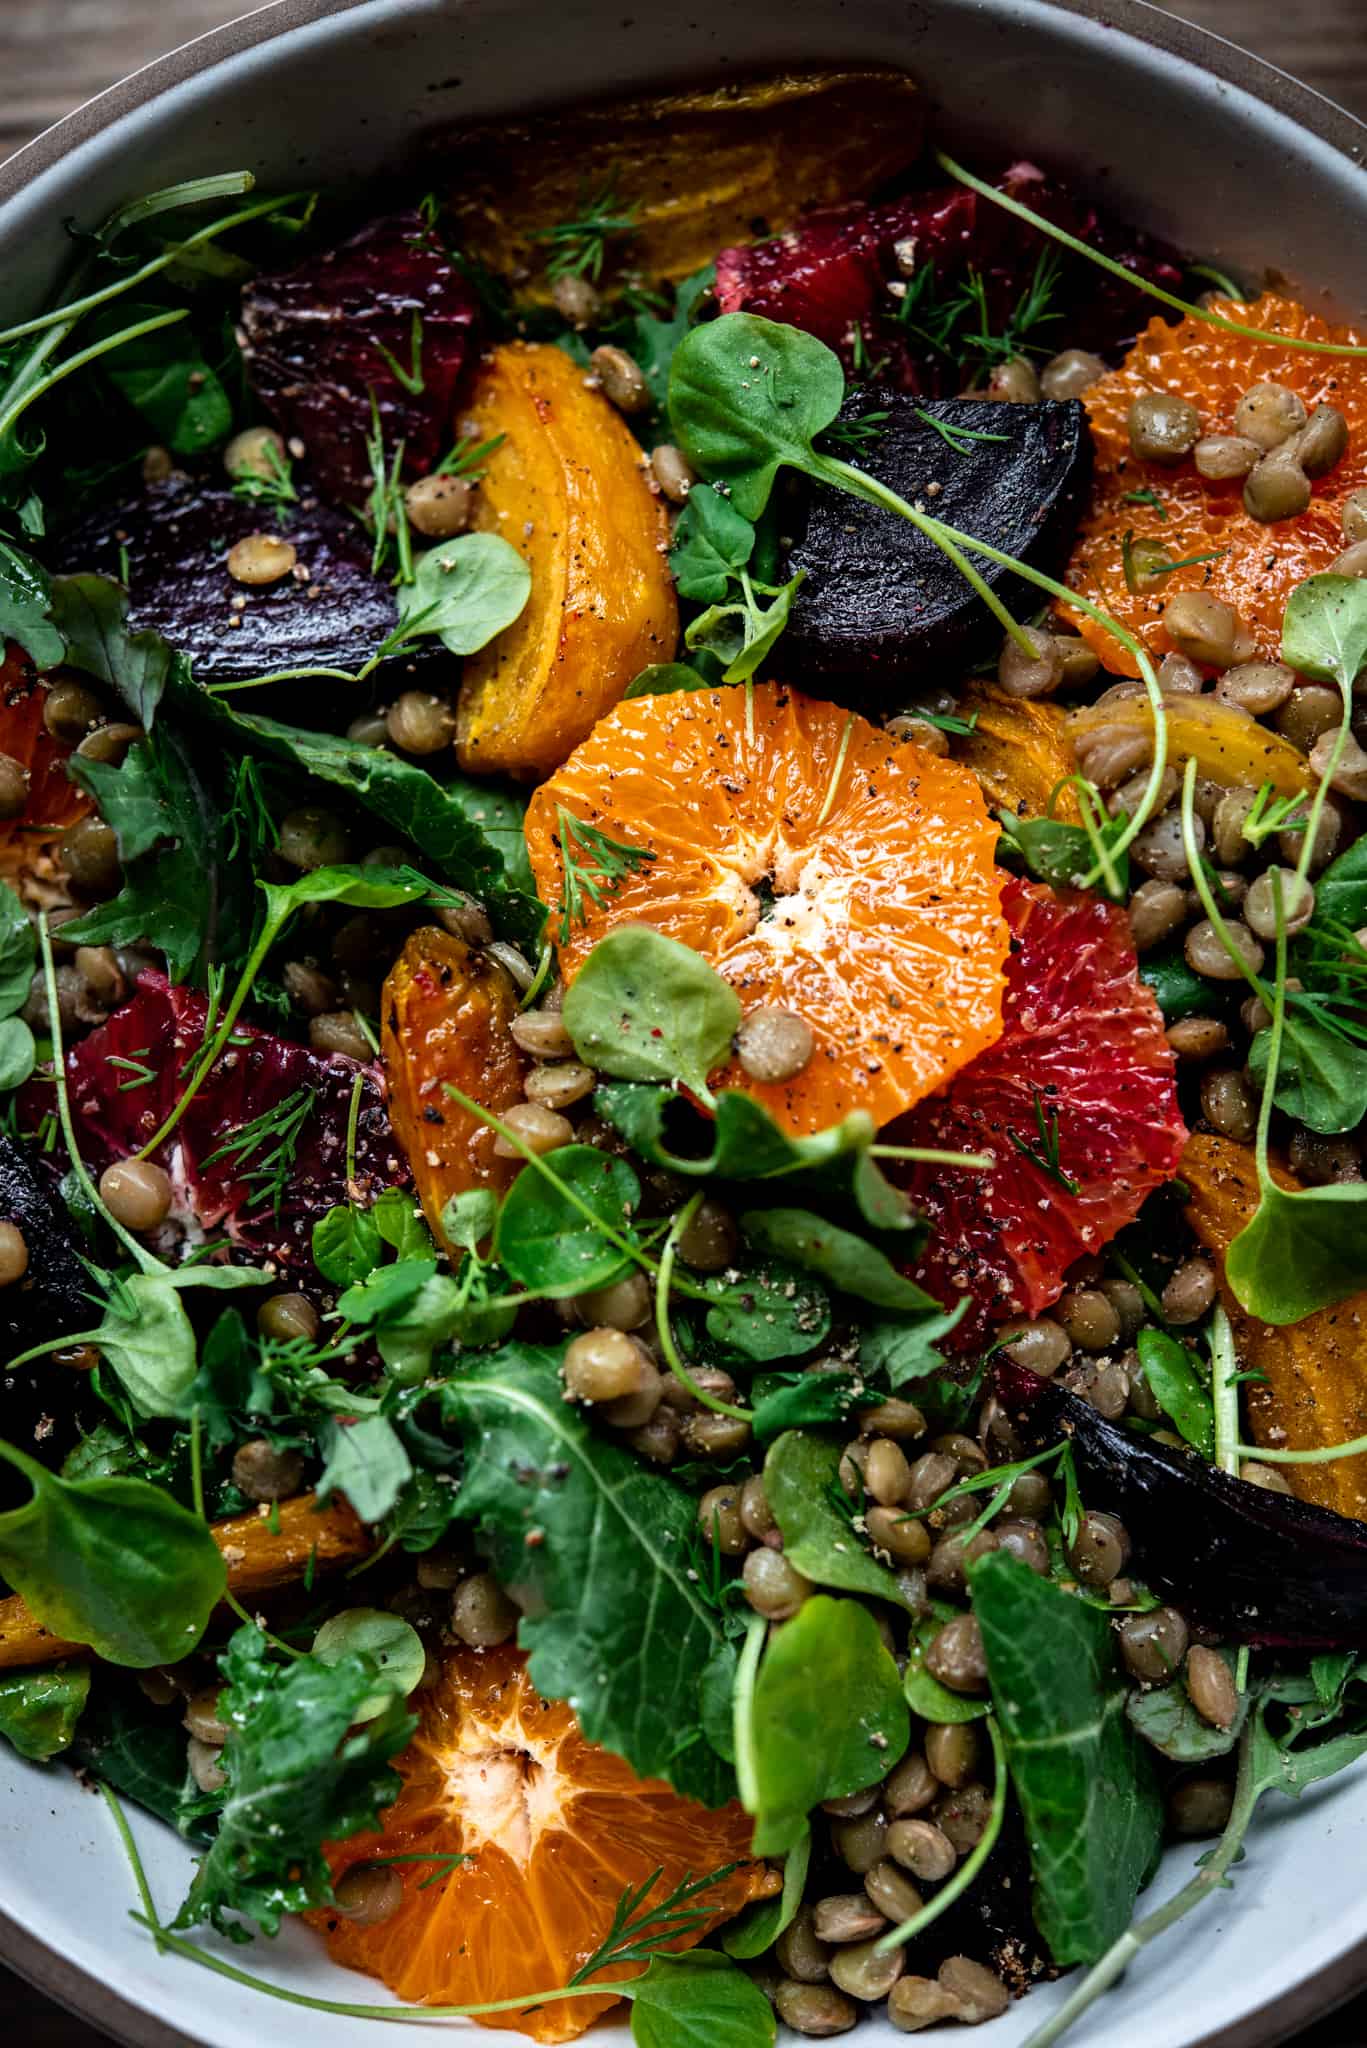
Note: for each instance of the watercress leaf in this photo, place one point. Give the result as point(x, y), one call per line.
point(711, 542)
point(546, 1242)
point(699, 2000)
point(760, 1925)
point(364, 1460)
point(613, 1619)
point(1321, 1075)
point(743, 633)
point(114, 1563)
point(399, 1221)
point(799, 1400)
point(1300, 1252)
point(440, 1311)
point(747, 396)
point(644, 1008)
point(18, 952)
point(1169, 1723)
point(346, 1245)
point(801, 1480)
point(1060, 853)
point(25, 597)
point(386, 1291)
point(165, 377)
point(91, 614)
point(148, 1341)
point(18, 1053)
point(907, 1347)
point(469, 1218)
point(424, 1513)
point(1172, 1379)
point(300, 1773)
point(131, 797)
point(851, 1264)
point(923, 1692)
point(825, 1715)
point(663, 678)
point(1087, 1790)
point(1324, 629)
point(39, 1709)
point(772, 1311)
point(652, 341)
point(392, 1644)
point(1341, 891)
point(466, 591)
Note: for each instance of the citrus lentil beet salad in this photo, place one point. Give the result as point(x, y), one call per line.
point(683, 951)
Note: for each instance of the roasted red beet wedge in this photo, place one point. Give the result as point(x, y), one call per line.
point(271, 1213)
point(831, 273)
point(1255, 1566)
point(320, 339)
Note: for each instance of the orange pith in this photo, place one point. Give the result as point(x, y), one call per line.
point(821, 865)
point(555, 1830)
point(1263, 563)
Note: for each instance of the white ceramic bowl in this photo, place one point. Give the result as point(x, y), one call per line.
point(1179, 132)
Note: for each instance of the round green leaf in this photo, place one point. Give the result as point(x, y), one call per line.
point(390, 1642)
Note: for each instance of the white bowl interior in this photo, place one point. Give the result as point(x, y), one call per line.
point(1169, 144)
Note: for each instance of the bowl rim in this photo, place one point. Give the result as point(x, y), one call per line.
point(79, 1991)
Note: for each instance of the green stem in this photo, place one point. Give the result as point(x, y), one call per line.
point(828, 801)
point(1209, 1879)
point(49, 1347)
point(130, 1850)
point(281, 675)
point(923, 1155)
point(663, 1278)
point(197, 1464)
point(1196, 868)
point(743, 1711)
point(1324, 1454)
point(1224, 1393)
point(24, 397)
point(190, 192)
point(897, 1937)
point(352, 1124)
point(208, 1055)
point(1130, 277)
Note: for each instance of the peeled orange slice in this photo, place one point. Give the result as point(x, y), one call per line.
point(554, 1830)
point(821, 865)
point(1260, 565)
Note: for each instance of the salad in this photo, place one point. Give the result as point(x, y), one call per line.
point(683, 1042)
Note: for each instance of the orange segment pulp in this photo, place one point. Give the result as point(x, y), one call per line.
point(820, 864)
point(555, 1830)
point(1261, 564)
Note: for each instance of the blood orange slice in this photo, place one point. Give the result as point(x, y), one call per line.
point(554, 1830)
point(1076, 1103)
point(53, 801)
point(821, 865)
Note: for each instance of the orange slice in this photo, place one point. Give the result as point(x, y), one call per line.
point(820, 864)
point(1262, 564)
point(555, 1830)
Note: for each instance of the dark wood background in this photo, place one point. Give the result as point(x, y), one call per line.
point(55, 53)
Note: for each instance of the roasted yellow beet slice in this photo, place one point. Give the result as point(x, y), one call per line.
point(1226, 744)
point(568, 488)
point(1020, 751)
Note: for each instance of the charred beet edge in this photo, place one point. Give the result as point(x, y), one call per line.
point(172, 543)
point(1256, 1566)
point(831, 273)
point(39, 1404)
point(317, 341)
point(880, 599)
point(161, 1027)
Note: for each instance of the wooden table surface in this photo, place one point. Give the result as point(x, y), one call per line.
point(47, 69)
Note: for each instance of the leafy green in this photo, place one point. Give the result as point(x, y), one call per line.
point(769, 1312)
point(346, 1244)
point(1321, 1074)
point(91, 614)
point(1180, 991)
point(1093, 1815)
point(614, 1619)
point(850, 1263)
point(18, 1053)
point(1063, 854)
point(712, 542)
point(299, 1774)
point(924, 1693)
point(905, 1347)
point(466, 591)
point(114, 1563)
point(800, 1400)
point(1341, 891)
point(699, 2000)
point(39, 1709)
point(18, 952)
point(139, 1755)
point(824, 1718)
point(131, 797)
point(644, 1008)
point(746, 397)
point(1169, 1723)
point(801, 1480)
point(1300, 1252)
point(393, 1646)
point(1324, 629)
point(1178, 1388)
point(652, 341)
point(147, 1338)
point(663, 678)
point(760, 1925)
point(743, 632)
point(25, 599)
point(544, 1238)
point(364, 1460)
point(165, 377)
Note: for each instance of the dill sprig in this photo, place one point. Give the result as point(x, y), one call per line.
point(864, 432)
point(279, 1129)
point(639, 1932)
point(578, 247)
point(1045, 1155)
point(468, 456)
point(958, 323)
point(136, 1065)
point(386, 513)
point(595, 867)
point(959, 439)
point(411, 379)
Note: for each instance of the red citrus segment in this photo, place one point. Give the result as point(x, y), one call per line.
point(53, 801)
point(1083, 1045)
point(819, 864)
point(1260, 565)
point(555, 1829)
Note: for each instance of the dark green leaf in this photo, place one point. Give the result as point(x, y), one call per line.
point(18, 952)
point(744, 632)
point(165, 377)
point(1321, 1075)
point(747, 396)
point(18, 1053)
point(114, 1563)
point(825, 1719)
point(1093, 1815)
point(699, 2000)
point(851, 1264)
point(800, 1400)
point(400, 1223)
point(761, 1924)
point(1178, 1388)
point(652, 341)
point(24, 601)
point(91, 614)
point(366, 1461)
point(715, 1688)
point(1301, 1252)
point(39, 1709)
point(1324, 629)
point(147, 1339)
point(386, 1291)
point(1341, 891)
point(907, 1347)
point(663, 678)
point(1169, 1723)
point(299, 1774)
point(644, 1008)
point(346, 1245)
point(131, 797)
point(543, 1239)
point(391, 1644)
point(138, 1753)
point(711, 542)
point(924, 1693)
point(801, 1481)
point(1059, 853)
point(466, 591)
point(469, 1218)
point(772, 1311)
point(615, 1620)
point(1180, 991)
